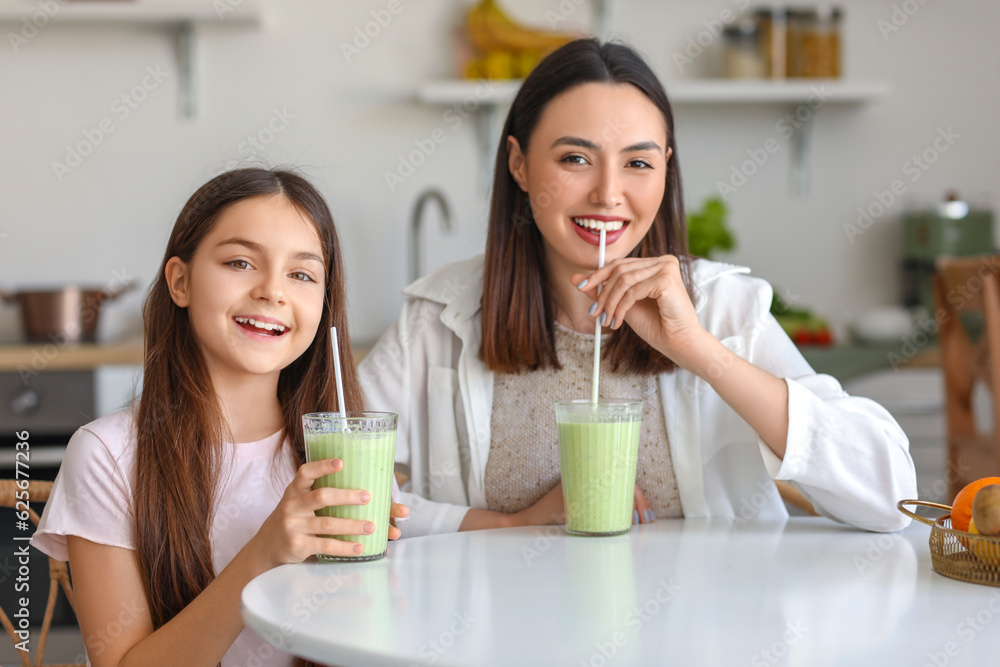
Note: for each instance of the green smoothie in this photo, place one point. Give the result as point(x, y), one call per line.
point(369, 459)
point(598, 453)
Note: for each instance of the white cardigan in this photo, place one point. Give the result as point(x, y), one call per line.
point(846, 454)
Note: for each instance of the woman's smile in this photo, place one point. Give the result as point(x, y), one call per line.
point(590, 227)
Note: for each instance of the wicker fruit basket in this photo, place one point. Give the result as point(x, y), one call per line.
point(956, 553)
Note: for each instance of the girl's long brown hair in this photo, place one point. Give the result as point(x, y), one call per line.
point(518, 313)
point(180, 428)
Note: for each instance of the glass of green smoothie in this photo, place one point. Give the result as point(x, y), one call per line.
point(598, 453)
point(366, 443)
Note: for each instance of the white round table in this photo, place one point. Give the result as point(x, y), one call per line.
point(692, 592)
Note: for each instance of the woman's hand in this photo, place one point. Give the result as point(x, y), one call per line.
point(547, 511)
point(293, 532)
point(396, 511)
point(550, 509)
point(643, 510)
point(649, 294)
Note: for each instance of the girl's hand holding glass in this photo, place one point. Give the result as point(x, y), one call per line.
point(293, 532)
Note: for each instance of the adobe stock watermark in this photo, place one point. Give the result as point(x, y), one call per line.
point(786, 127)
point(253, 146)
point(223, 7)
point(925, 329)
point(778, 650)
point(121, 108)
point(30, 25)
point(426, 146)
point(899, 16)
point(635, 620)
point(967, 630)
point(562, 13)
point(364, 35)
point(42, 355)
point(713, 28)
point(433, 649)
point(915, 168)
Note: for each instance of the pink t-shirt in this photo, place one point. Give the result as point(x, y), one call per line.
point(92, 498)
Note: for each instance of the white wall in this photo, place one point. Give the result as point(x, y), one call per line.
point(353, 120)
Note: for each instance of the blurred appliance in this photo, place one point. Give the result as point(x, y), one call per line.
point(952, 228)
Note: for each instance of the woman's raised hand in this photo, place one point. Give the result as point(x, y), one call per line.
point(648, 293)
point(292, 532)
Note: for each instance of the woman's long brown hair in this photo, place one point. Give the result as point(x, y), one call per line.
point(180, 428)
point(518, 313)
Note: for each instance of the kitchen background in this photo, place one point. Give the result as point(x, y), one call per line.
point(284, 92)
point(98, 156)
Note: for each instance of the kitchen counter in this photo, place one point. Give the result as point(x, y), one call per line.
point(76, 357)
point(41, 357)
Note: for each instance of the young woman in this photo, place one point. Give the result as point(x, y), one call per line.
point(165, 512)
point(482, 349)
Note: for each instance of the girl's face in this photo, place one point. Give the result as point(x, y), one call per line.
point(597, 158)
point(254, 288)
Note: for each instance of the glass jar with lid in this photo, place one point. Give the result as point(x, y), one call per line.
point(744, 55)
point(814, 43)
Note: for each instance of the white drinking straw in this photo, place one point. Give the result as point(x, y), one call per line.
point(597, 327)
point(336, 370)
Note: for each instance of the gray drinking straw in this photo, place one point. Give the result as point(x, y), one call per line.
point(597, 326)
point(336, 370)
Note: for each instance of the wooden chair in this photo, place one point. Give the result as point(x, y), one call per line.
point(38, 492)
point(969, 287)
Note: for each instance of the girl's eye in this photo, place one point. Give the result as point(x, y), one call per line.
point(302, 276)
point(241, 264)
point(574, 159)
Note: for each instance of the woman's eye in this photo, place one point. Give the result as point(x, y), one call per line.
point(640, 164)
point(574, 159)
point(241, 264)
point(304, 277)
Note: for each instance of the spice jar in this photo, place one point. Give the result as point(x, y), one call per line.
point(814, 43)
point(744, 57)
point(773, 38)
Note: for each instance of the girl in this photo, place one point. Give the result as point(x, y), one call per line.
point(162, 517)
point(483, 348)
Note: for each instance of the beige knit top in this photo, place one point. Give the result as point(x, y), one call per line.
point(523, 464)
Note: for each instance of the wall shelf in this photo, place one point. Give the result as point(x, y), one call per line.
point(180, 18)
point(804, 96)
point(681, 91)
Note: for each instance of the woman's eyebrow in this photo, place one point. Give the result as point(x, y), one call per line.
point(576, 141)
point(590, 145)
point(643, 146)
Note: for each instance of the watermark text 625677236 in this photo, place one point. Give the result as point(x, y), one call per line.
point(22, 584)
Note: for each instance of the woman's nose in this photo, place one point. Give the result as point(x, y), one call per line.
point(607, 190)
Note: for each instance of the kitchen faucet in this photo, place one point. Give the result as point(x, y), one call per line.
point(416, 221)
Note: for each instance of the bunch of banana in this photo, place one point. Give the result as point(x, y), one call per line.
point(505, 49)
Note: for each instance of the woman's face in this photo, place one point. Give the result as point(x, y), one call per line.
point(597, 158)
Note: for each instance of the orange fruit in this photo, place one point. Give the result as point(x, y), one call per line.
point(986, 550)
point(961, 509)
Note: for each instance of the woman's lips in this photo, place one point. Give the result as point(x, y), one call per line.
point(593, 236)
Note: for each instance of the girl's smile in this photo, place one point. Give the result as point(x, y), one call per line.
point(261, 326)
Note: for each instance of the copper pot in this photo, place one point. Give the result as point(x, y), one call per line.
point(65, 315)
